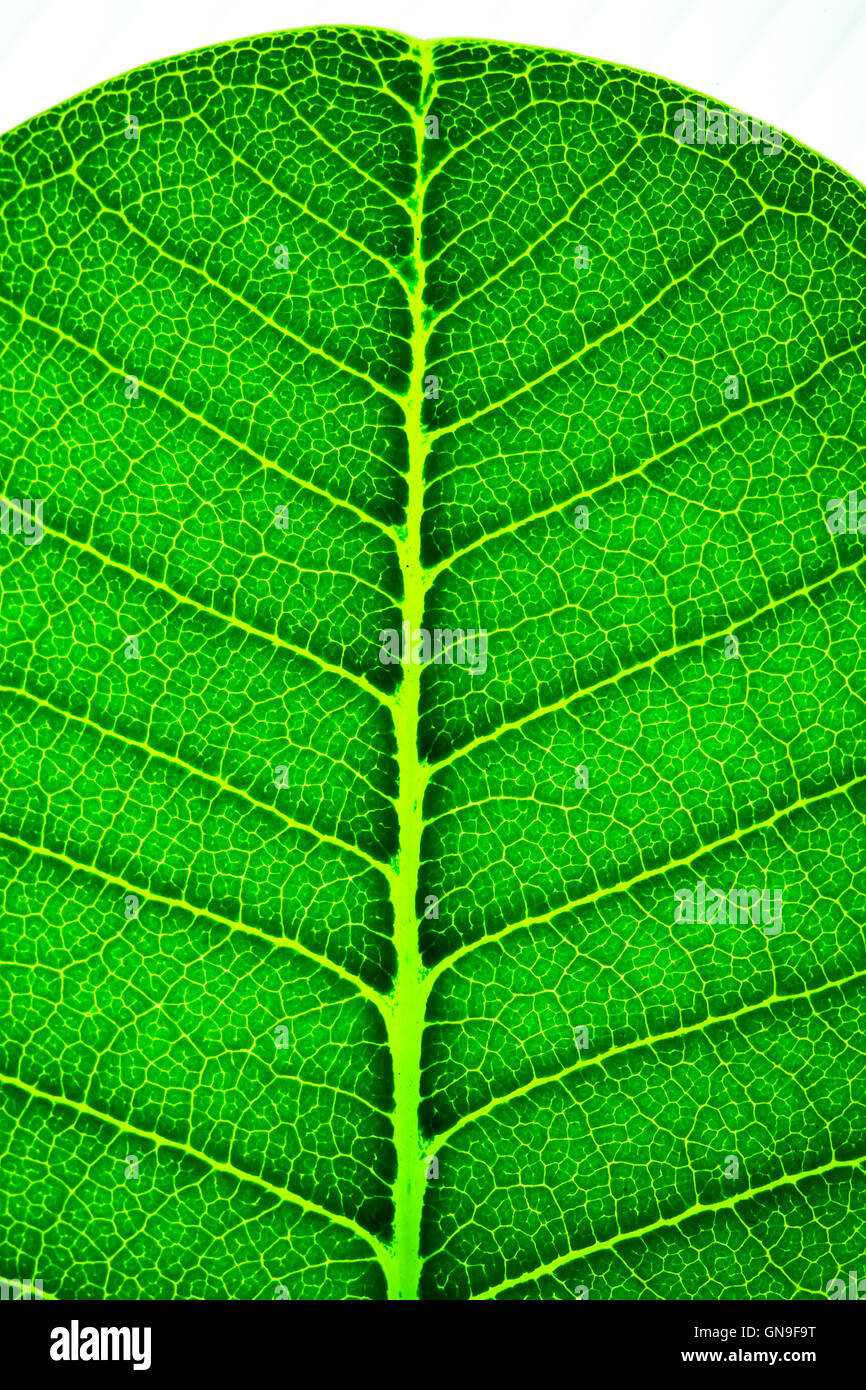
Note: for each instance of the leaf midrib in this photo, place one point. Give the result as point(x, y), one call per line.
point(405, 1016)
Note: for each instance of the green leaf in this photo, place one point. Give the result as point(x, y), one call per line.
point(331, 977)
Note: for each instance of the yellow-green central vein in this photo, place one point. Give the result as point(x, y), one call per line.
point(406, 1016)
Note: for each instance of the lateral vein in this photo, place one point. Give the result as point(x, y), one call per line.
point(646, 875)
point(182, 905)
point(805, 591)
point(637, 1044)
point(303, 483)
point(313, 349)
point(666, 1222)
point(301, 826)
point(159, 1140)
point(231, 620)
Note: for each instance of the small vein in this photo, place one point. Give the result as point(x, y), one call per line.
point(332, 149)
point(159, 1140)
point(668, 1222)
point(280, 329)
point(789, 394)
point(303, 483)
point(302, 827)
point(230, 619)
point(617, 329)
point(805, 591)
point(645, 876)
point(305, 207)
point(531, 246)
point(182, 905)
point(637, 1044)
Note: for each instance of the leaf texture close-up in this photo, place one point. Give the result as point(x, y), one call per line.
point(432, 705)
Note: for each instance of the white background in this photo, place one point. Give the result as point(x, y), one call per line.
point(799, 65)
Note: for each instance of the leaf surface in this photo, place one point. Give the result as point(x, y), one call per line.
point(282, 922)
